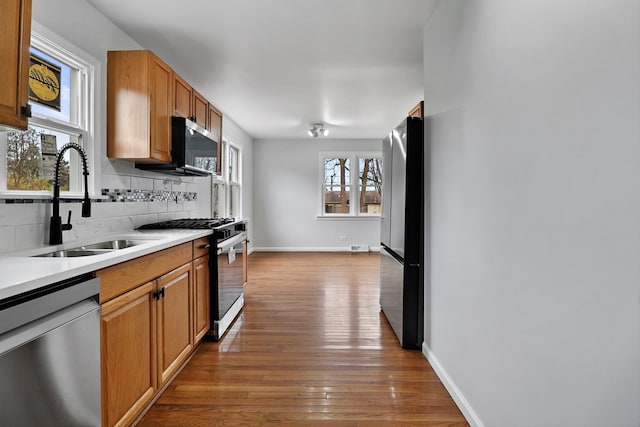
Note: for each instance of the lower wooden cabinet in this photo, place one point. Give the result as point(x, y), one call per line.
point(175, 338)
point(128, 354)
point(149, 329)
point(201, 318)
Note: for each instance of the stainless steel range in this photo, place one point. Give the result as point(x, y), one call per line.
point(228, 244)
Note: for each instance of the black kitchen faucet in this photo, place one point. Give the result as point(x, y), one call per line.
point(56, 226)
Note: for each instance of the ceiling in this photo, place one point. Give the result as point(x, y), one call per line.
point(274, 67)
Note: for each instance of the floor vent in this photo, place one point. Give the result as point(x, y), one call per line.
point(359, 248)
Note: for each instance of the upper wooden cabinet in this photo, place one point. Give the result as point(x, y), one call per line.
point(188, 103)
point(215, 127)
point(139, 106)
point(200, 110)
point(15, 37)
point(182, 97)
point(418, 110)
point(142, 94)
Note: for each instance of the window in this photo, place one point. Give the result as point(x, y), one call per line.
point(351, 184)
point(60, 85)
point(233, 180)
point(226, 193)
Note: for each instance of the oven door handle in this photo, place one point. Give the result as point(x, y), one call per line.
point(226, 244)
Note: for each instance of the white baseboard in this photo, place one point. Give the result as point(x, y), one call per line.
point(309, 249)
point(454, 391)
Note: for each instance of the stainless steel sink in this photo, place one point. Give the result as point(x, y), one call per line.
point(93, 249)
point(114, 244)
point(76, 252)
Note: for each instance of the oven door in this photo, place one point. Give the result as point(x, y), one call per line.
point(228, 299)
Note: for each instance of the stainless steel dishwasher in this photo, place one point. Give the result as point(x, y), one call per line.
point(50, 356)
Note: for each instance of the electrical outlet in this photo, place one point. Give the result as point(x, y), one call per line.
point(343, 238)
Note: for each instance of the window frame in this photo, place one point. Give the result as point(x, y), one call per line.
point(223, 183)
point(233, 184)
point(354, 159)
point(52, 45)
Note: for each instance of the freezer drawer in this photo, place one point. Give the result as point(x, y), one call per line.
point(401, 298)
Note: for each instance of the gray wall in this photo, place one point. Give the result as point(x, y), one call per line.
point(535, 209)
point(286, 197)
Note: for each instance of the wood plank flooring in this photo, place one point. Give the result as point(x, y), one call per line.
point(311, 348)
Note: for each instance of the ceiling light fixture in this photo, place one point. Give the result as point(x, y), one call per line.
point(318, 129)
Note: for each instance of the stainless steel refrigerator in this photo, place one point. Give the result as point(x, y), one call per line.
point(402, 232)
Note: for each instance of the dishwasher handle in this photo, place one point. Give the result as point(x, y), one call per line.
point(33, 330)
point(46, 300)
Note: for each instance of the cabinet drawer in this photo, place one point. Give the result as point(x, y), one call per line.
point(200, 247)
point(120, 278)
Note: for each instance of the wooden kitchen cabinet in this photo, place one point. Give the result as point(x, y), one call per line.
point(175, 337)
point(188, 103)
point(15, 38)
point(182, 97)
point(417, 111)
point(142, 94)
point(200, 111)
point(215, 124)
point(128, 354)
point(201, 286)
point(146, 329)
point(139, 106)
point(215, 127)
point(201, 318)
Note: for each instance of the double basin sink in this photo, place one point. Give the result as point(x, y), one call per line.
point(93, 249)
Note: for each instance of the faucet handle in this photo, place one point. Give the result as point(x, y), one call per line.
point(68, 225)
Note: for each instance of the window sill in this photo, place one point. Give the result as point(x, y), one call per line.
point(347, 217)
point(34, 197)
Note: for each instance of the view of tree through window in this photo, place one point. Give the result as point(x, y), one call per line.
point(370, 185)
point(337, 189)
point(338, 185)
point(31, 156)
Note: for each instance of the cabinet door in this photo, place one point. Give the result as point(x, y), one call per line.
point(215, 122)
point(200, 110)
point(15, 37)
point(182, 94)
point(161, 108)
point(215, 127)
point(128, 354)
point(201, 277)
point(175, 337)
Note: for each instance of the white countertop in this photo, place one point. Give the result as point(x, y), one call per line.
point(21, 271)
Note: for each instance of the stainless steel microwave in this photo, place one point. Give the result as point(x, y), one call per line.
point(194, 151)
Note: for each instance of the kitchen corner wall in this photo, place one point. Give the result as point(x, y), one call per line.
point(534, 304)
point(142, 197)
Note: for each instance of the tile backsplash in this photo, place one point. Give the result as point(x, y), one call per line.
point(131, 202)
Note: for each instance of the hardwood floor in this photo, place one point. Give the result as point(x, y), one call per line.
point(311, 348)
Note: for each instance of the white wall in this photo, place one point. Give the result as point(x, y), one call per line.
point(535, 209)
point(286, 197)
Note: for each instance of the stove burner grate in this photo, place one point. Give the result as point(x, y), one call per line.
point(187, 223)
